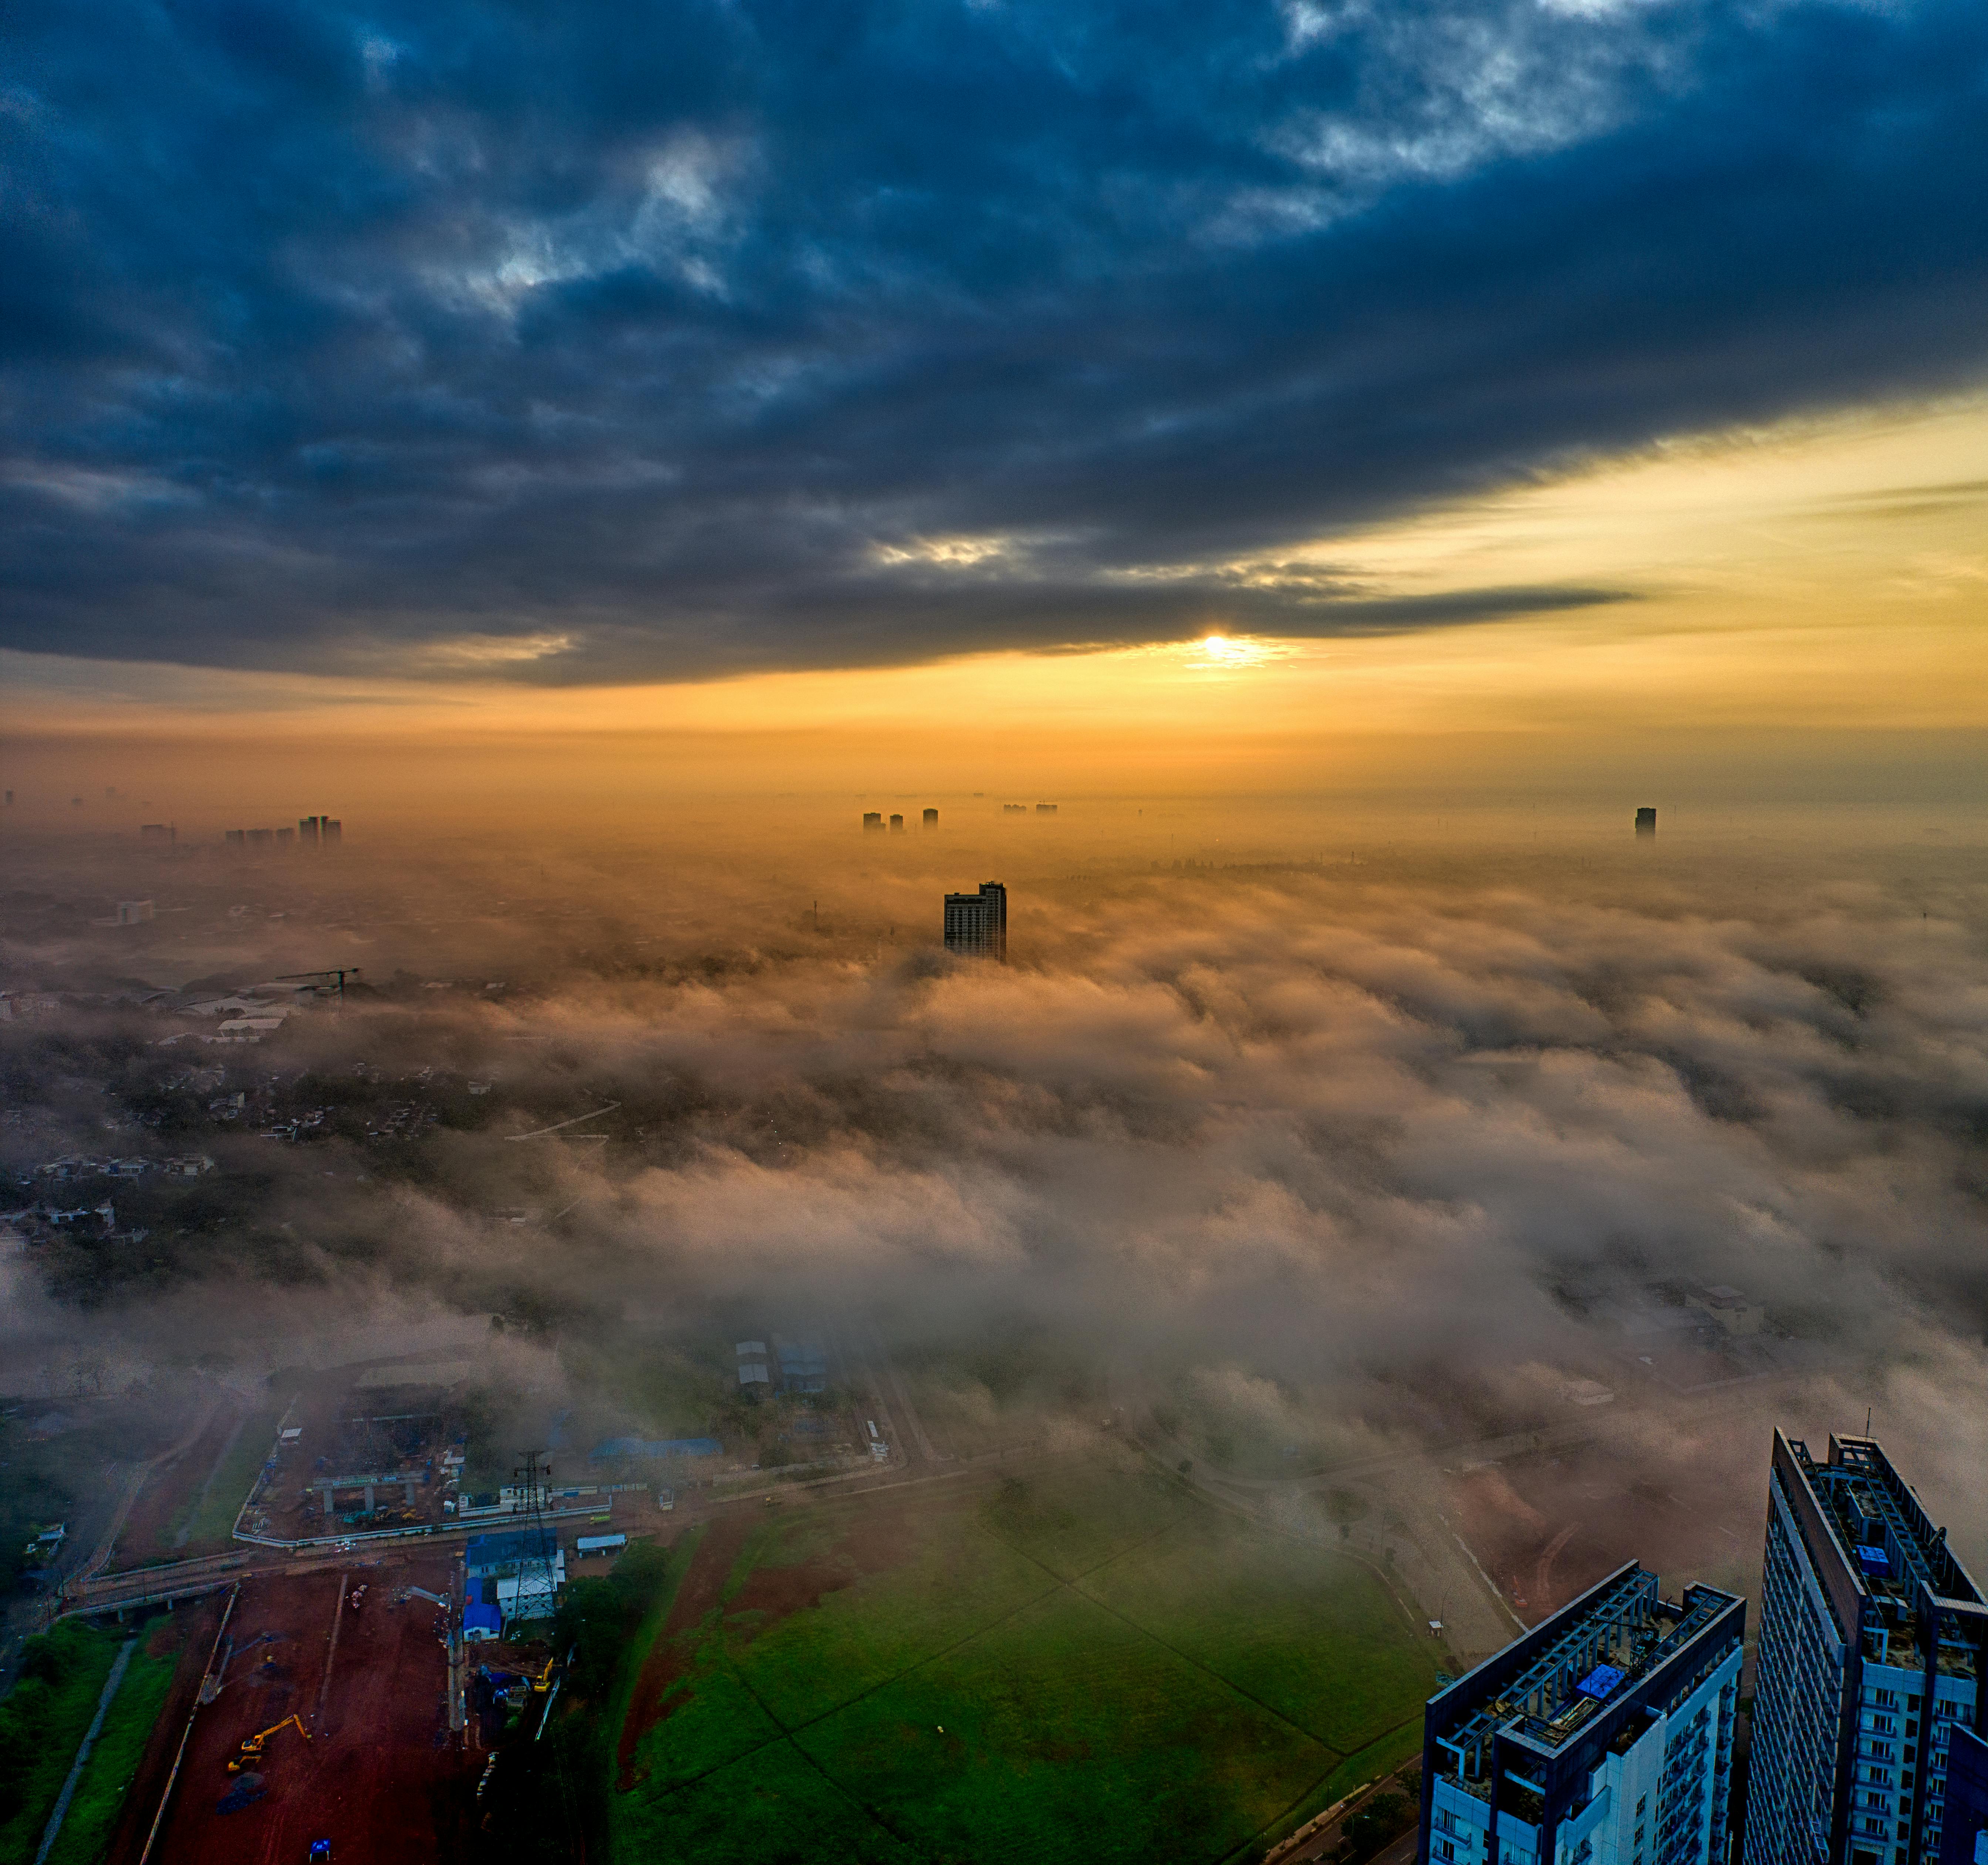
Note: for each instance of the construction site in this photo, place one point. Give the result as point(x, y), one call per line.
point(338, 1703)
point(370, 1459)
point(324, 1712)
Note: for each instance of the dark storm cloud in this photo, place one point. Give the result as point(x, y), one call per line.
point(715, 337)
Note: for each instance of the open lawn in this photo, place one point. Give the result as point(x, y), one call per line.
point(42, 1723)
point(120, 1746)
point(209, 1518)
point(1089, 1663)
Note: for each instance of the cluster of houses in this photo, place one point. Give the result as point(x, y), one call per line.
point(84, 1165)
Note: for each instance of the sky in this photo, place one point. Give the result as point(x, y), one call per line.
point(1248, 374)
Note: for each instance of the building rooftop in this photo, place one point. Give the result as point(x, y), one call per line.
point(1892, 1551)
point(1548, 1688)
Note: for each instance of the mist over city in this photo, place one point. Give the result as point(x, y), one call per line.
point(994, 934)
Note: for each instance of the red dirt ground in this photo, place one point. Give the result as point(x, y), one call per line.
point(873, 1541)
point(381, 1776)
point(669, 1656)
point(147, 1533)
point(1547, 1528)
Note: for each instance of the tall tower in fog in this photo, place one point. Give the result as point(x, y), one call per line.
point(977, 923)
point(1873, 1642)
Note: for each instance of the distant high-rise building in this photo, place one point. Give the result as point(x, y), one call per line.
point(1873, 1642)
point(1964, 1838)
point(1646, 822)
point(873, 822)
point(1605, 1733)
point(931, 819)
point(260, 838)
point(1014, 809)
point(234, 838)
point(307, 831)
point(157, 835)
point(330, 830)
point(285, 837)
point(977, 923)
point(896, 825)
point(1045, 809)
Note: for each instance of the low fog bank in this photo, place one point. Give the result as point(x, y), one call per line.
point(1303, 1158)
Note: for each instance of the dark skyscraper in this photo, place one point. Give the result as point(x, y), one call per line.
point(977, 923)
point(896, 825)
point(1873, 1638)
point(1963, 1839)
point(931, 819)
point(1646, 822)
point(873, 822)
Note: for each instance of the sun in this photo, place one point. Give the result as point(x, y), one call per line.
point(1219, 650)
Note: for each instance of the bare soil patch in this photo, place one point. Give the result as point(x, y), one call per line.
point(147, 1532)
point(381, 1776)
point(873, 1540)
point(699, 1592)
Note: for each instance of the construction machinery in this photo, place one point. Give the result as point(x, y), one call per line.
point(541, 1678)
point(253, 1746)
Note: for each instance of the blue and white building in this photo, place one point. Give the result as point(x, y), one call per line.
point(1602, 1736)
point(499, 1567)
point(1872, 1641)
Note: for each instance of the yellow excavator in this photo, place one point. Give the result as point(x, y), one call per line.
point(541, 1678)
point(253, 1746)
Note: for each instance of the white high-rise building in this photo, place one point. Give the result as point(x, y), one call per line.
point(1873, 1640)
point(1602, 1736)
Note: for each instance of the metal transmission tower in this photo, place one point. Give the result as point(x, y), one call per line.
point(538, 1591)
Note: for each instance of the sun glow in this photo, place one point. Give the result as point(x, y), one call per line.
point(1219, 650)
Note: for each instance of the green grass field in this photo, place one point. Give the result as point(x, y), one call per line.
point(1091, 1664)
point(41, 1725)
point(212, 1522)
point(120, 1746)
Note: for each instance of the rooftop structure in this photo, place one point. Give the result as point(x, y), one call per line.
point(1604, 1734)
point(977, 923)
point(1873, 1639)
point(611, 1447)
point(803, 1362)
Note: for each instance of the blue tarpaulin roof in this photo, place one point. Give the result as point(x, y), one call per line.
point(1600, 1681)
point(656, 1447)
point(482, 1553)
point(481, 1618)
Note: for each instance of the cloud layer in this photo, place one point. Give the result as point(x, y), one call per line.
point(572, 345)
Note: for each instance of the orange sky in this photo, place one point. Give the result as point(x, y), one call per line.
point(1822, 578)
